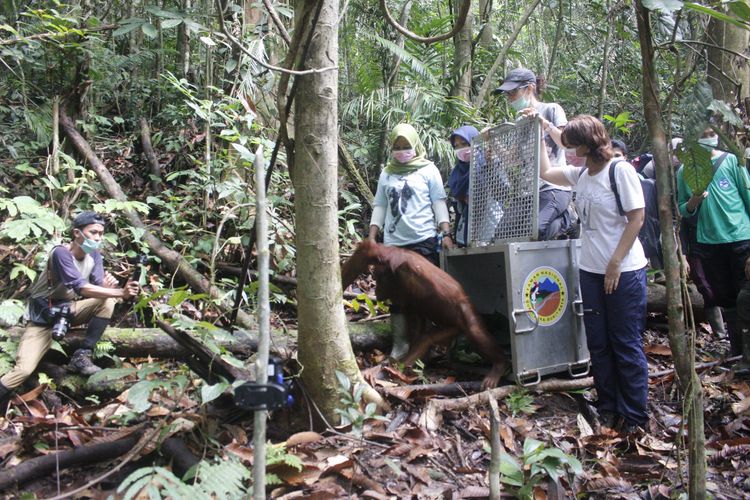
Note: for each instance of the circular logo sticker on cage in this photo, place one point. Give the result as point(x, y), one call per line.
point(545, 292)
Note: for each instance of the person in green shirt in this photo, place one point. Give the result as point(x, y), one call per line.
point(723, 237)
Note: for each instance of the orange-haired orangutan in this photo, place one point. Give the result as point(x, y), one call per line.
point(425, 292)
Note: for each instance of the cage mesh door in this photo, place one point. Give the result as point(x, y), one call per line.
point(504, 184)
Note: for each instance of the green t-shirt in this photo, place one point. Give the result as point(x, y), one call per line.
point(724, 215)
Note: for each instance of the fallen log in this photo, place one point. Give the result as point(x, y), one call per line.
point(204, 362)
point(154, 342)
point(278, 279)
point(82, 455)
point(656, 299)
point(179, 454)
point(173, 260)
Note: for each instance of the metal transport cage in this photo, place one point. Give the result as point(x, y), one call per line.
point(530, 296)
point(527, 290)
point(504, 184)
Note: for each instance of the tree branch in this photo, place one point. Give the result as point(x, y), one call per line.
point(432, 39)
point(277, 22)
point(501, 57)
point(252, 56)
point(713, 46)
point(53, 35)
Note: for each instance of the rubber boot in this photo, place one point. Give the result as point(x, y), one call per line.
point(5, 395)
point(735, 338)
point(81, 363)
point(716, 320)
point(400, 331)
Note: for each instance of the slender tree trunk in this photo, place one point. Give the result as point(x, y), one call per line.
point(556, 43)
point(605, 65)
point(324, 345)
point(728, 75)
point(462, 55)
point(183, 42)
point(485, 11)
point(681, 340)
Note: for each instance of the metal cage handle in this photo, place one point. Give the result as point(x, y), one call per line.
point(529, 378)
point(525, 311)
point(579, 369)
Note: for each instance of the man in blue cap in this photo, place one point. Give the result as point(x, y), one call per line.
point(72, 290)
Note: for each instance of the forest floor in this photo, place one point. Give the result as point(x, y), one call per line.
point(398, 456)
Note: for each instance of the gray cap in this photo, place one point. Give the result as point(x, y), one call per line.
point(519, 77)
point(87, 218)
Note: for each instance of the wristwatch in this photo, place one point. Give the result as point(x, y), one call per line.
point(443, 234)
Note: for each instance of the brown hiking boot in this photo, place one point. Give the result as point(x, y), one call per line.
point(81, 363)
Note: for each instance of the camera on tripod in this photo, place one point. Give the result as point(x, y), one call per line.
point(61, 318)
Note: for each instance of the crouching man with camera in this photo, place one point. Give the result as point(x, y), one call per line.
point(72, 290)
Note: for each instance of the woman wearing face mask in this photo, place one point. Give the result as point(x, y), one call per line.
point(409, 203)
point(612, 271)
point(458, 182)
point(722, 236)
point(522, 88)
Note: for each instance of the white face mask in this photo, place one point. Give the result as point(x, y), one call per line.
point(710, 142)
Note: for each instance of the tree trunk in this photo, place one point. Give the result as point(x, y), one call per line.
point(462, 60)
point(728, 74)
point(485, 11)
point(324, 345)
point(151, 159)
point(605, 64)
point(681, 341)
point(183, 42)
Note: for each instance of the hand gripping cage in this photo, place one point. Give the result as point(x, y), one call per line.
point(504, 184)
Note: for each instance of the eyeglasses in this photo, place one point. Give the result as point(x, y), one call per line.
point(515, 91)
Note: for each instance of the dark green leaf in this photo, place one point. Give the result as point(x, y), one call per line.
point(716, 14)
point(697, 169)
point(726, 111)
point(740, 9)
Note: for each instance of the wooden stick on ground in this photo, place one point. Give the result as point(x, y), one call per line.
point(432, 415)
point(496, 447)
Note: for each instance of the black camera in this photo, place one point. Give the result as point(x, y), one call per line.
point(271, 394)
point(61, 318)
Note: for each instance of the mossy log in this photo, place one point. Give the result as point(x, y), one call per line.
point(154, 342)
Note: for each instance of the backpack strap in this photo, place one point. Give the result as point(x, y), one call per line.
point(719, 161)
point(613, 186)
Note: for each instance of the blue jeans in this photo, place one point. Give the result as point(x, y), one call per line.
point(614, 324)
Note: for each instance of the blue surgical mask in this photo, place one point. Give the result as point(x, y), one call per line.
point(709, 142)
point(90, 245)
